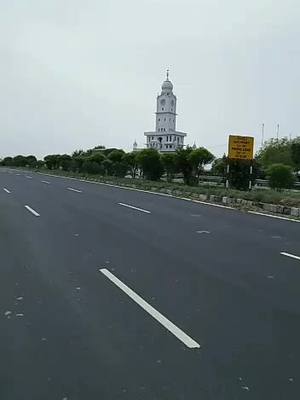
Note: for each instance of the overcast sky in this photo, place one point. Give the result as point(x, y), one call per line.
point(80, 73)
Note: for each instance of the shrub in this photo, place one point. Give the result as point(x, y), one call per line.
point(91, 167)
point(280, 176)
point(119, 169)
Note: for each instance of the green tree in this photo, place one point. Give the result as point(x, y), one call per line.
point(280, 176)
point(107, 166)
point(295, 152)
point(106, 152)
point(219, 166)
point(276, 151)
point(7, 161)
point(64, 162)
point(98, 157)
point(119, 169)
point(116, 155)
point(130, 160)
point(198, 158)
point(184, 166)
point(91, 167)
point(239, 173)
point(52, 161)
point(77, 153)
point(40, 164)
point(169, 163)
point(150, 163)
point(31, 161)
point(19, 161)
point(76, 164)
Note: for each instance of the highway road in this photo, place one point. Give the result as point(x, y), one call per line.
point(109, 293)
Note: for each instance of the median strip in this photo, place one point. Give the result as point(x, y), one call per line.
point(6, 190)
point(134, 208)
point(283, 253)
point(74, 190)
point(32, 211)
point(166, 323)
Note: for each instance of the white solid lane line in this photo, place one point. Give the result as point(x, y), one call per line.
point(274, 216)
point(6, 190)
point(135, 208)
point(183, 337)
point(32, 211)
point(74, 190)
point(48, 183)
point(290, 255)
point(28, 177)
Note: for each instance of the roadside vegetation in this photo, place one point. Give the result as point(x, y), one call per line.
point(185, 172)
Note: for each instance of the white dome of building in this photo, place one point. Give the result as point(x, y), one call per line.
point(167, 86)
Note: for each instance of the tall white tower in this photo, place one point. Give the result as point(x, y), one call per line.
point(165, 138)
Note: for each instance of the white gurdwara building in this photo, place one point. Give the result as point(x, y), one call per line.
point(165, 138)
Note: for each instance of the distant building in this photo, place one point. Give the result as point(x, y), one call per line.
point(135, 147)
point(165, 138)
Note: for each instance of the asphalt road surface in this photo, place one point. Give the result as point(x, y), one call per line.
point(108, 293)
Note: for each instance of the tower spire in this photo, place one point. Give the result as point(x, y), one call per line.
point(168, 74)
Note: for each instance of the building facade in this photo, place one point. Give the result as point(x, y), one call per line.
point(165, 138)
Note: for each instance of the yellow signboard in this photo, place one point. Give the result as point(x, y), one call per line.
point(240, 147)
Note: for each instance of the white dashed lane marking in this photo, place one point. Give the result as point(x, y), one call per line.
point(6, 190)
point(183, 337)
point(36, 214)
point(134, 208)
point(283, 253)
point(74, 190)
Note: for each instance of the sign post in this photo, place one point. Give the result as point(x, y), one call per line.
point(240, 148)
point(227, 174)
point(250, 178)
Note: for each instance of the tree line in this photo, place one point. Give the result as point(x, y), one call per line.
point(277, 160)
point(147, 163)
